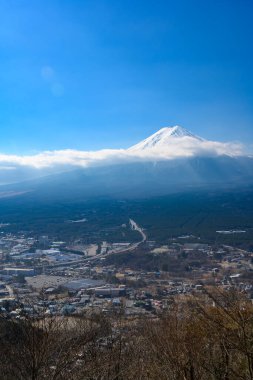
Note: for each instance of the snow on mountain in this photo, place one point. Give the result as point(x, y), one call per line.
point(163, 138)
point(174, 142)
point(167, 144)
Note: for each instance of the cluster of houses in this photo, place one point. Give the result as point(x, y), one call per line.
point(58, 281)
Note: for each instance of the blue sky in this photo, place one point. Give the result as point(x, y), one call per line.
point(108, 73)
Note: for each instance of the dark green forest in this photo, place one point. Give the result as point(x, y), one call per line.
point(164, 218)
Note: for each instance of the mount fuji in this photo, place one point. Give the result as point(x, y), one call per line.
point(164, 137)
point(172, 159)
point(178, 142)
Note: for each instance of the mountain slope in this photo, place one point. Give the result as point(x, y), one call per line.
point(142, 179)
point(147, 169)
point(163, 137)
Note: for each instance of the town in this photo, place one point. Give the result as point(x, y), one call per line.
point(41, 276)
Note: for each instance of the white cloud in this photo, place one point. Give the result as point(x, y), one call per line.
point(189, 147)
point(64, 159)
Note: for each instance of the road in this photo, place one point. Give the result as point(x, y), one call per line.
point(133, 225)
point(10, 290)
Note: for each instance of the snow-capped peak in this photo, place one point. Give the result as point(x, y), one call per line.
point(176, 131)
point(164, 137)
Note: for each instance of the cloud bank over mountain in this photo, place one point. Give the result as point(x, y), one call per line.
point(166, 144)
